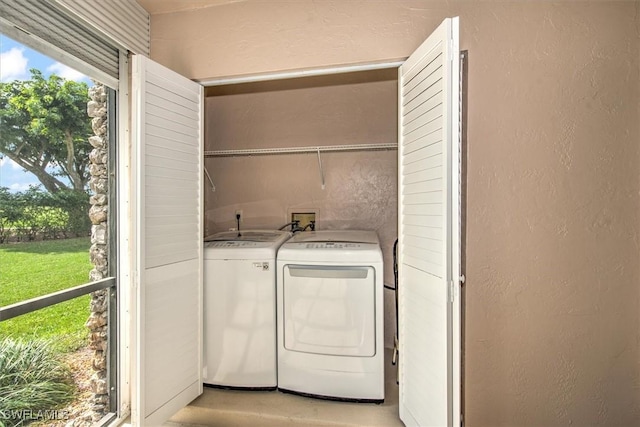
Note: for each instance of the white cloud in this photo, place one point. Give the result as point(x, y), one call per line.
point(13, 65)
point(66, 72)
point(19, 187)
point(7, 161)
point(14, 177)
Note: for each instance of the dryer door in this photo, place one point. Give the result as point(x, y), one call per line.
point(330, 310)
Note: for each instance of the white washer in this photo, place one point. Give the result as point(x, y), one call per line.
point(239, 308)
point(330, 315)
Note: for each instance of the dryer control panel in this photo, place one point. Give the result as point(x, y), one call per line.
point(333, 245)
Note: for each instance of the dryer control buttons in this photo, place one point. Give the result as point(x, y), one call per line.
point(332, 245)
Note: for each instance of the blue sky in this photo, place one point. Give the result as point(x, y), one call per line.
point(15, 62)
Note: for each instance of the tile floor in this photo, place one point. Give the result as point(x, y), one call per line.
point(228, 408)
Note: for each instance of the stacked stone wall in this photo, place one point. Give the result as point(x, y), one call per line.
point(97, 323)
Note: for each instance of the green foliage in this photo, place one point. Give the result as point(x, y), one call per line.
point(75, 203)
point(44, 125)
point(32, 377)
point(9, 213)
point(38, 268)
point(32, 213)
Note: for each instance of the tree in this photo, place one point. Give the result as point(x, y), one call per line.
point(44, 128)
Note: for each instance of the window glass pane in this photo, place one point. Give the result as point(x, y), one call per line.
point(44, 174)
point(32, 269)
point(62, 324)
point(46, 366)
point(53, 236)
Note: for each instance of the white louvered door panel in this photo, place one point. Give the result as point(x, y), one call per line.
point(167, 134)
point(429, 248)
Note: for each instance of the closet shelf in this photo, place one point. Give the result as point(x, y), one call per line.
point(297, 150)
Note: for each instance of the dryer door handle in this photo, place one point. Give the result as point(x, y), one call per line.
point(328, 272)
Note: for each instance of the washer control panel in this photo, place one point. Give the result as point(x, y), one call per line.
point(231, 244)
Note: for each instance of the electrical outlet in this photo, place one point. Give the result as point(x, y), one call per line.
point(304, 218)
point(239, 212)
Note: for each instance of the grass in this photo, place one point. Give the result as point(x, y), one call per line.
point(32, 377)
point(28, 270)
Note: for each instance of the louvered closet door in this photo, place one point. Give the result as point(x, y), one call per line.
point(428, 231)
point(167, 129)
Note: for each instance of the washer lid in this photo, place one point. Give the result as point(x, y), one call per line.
point(250, 244)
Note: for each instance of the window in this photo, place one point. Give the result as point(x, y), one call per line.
point(57, 237)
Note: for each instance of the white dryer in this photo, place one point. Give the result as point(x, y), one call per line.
point(330, 315)
point(239, 308)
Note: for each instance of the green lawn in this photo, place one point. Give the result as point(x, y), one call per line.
point(33, 269)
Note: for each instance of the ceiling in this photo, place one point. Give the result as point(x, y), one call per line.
point(155, 7)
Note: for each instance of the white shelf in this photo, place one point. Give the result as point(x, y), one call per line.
point(299, 150)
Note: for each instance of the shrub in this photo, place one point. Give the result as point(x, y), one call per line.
point(33, 213)
point(10, 213)
point(75, 206)
point(32, 378)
